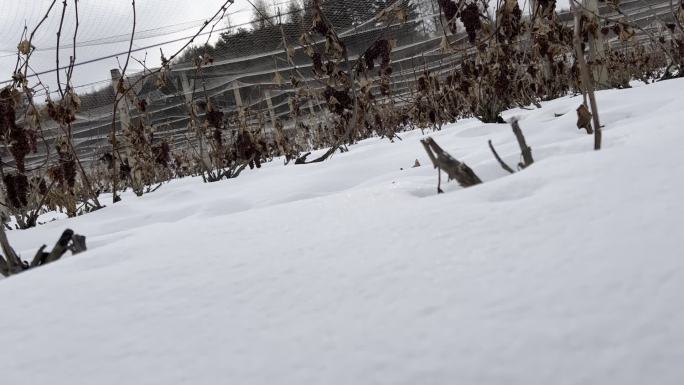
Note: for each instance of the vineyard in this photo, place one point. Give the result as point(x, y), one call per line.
point(320, 75)
point(341, 192)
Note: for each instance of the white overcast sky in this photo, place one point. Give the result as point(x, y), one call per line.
point(104, 29)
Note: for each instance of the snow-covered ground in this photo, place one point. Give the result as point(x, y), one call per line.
point(355, 271)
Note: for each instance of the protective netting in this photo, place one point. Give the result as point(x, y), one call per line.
point(251, 67)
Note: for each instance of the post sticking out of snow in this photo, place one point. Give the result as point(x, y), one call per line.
point(525, 150)
point(586, 78)
point(456, 170)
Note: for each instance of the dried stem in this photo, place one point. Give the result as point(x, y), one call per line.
point(498, 158)
point(59, 34)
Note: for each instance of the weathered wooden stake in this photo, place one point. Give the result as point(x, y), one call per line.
point(125, 119)
point(525, 150)
point(587, 79)
point(597, 47)
point(441, 159)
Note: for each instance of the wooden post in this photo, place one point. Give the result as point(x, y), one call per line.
point(125, 119)
point(325, 114)
point(124, 113)
point(456, 170)
point(4, 208)
point(236, 92)
point(312, 122)
point(597, 47)
point(238, 105)
point(271, 111)
point(12, 263)
point(587, 80)
point(188, 86)
point(277, 132)
point(524, 148)
point(116, 75)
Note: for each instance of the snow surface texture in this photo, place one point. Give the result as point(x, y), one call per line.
point(355, 271)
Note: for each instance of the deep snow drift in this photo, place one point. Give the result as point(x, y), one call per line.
point(355, 271)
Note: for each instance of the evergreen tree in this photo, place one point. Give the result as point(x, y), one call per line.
point(295, 14)
point(260, 15)
point(343, 14)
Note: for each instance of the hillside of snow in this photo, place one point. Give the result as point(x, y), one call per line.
point(354, 271)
